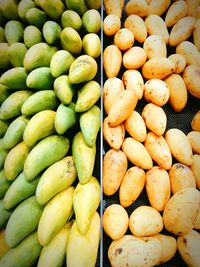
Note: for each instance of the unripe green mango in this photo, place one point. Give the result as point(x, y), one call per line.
point(32, 36)
point(44, 154)
point(3, 93)
point(25, 254)
point(36, 17)
point(8, 9)
point(83, 69)
point(60, 62)
point(84, 158)
point(23, 7)
point(57, 211)
point(39, 55)
point(5, 215)
point(88, 95)
point(14, 161)
point(23, 221)
point(51, 256)
point(51, 31)
point(71, 40)
point(4, 62)
point(16, 53)
point(39, 101)
point(82, 250)
point(90, 122)
point(14, 31)
point(3, 155)
point(92, 45)
point(71, 18)
point(63, 89)
point(3, 127)
point(39, 126)
point(19, 190)
point(11, 107)
point(77, 5)
point(4, 184)
point(53, 8)
point(85, 202)
point(14, 133)
point(65, 118)
point(93, 4)
point(2, 35)
point(14, 78)
point(91, 21)
point(55, 179)
point(40, 79)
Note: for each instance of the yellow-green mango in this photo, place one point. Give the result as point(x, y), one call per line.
point(84, 158)
point(23, 221)
point(60, 62)
point(71, 18)
point(32, 36)
point(82, 250)
point(91, 21)
point(53, 8)
point(5, 215)
point(40, 79)
point(93, 4)
point(36, 17)
point(14, 31)
point(39, 55)
point(8, 9)
point(77, 5)
point(83, 69)
point(14, 78)
point(16, 53)
point(11, 107)
point(63, 89)
point(55, 215)
point(23, 7)
point(88, 95)
point(54, 253)
point(65, 118)
point(14, 133)
point(85, 202)
point(39, 126)
point(44, 154)
point(25, 254)
point(41, 100)
point(2, 35)
point(3, 127)
point(90, 122)
point(55, 179)
point(3, 155)
point(51, 31)
point(4, 93)
point(19, 190)
point(14, 161)
point(71, 40)
point(92, 45)
point(3, 246)
point(4, 184)
point(4, 62)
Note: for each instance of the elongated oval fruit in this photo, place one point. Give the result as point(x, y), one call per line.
point(54, 8)
point(15, 78)
point(64, 89)
point(51, 31)
point(175, 12)
point(112, 61)
point(14, 31)
point(40, 79)
point(71, 40)
point(16, 53)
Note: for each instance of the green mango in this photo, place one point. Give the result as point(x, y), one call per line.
point(3, 127)
point(14, 78)
point(14, 133)
point(63, 89)
point(23, 7)
point(91, 21)
point(4, 93)
point(85, 202)
point(84, 158)
point(53, 8)
point(51, 256)
point(23, 221)
point(3, 155)
point(93, 4)
point(92, 45)
point(70, 18)
point(11, 107)
point(60, 62)
point(32, 36)
point(8, 9)
point(88, 95)
point(65, 118)
point(4, 247)
point(16, 53)
point(39, 55)
point(90, 123)
point(39, 126)
point(4, 184)
point(14, 161)
point(5, 215)
point(58, 177)
point(14, 31)
point(83, 69)
point(2, 35)
point(51, 32)
point(4, 62)
point(36, 17)
point(44, 154)
point(82, 250)
point(57, 211)
point(40, 79)
point(71, 40)
point(39, 101)
point(25, 254)
point(19, 190)
point(77, 5)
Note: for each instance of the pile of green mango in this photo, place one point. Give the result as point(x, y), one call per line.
point(49, 126)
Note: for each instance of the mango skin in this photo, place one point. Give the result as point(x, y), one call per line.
point(5, 215)
point(44, 154)
point(4, 63)
point(36, 17)
point(93, 4)
point(2, 35)
point(9, 9)
point(23, 7)
point(23, 255)
point(32, 36)
point(51, 31)
point(16, 53)
point(92, 45)
point(54, 8)
point(4, 184)
point(77, 5)
point(71, 18)
point(3, 246)
point(40, 79)
point(14, 31)
point(91, 21)
point(3, 93)
point(14, 78)
point(71, 40)
point(3, 155)
point(63, 89)
point(3, 127)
